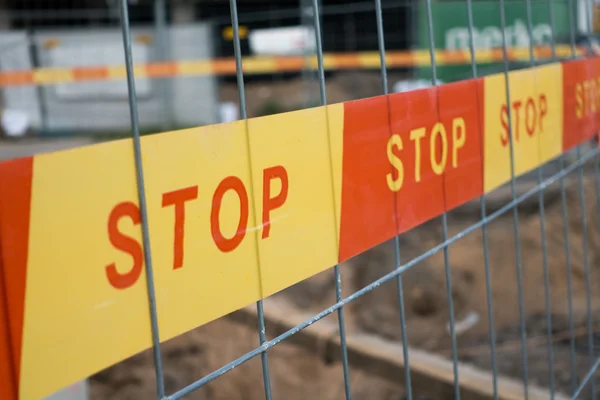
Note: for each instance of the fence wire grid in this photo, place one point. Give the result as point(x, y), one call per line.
point(559, 173)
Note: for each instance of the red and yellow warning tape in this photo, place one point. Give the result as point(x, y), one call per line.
point(237, 210)
point(262, 65)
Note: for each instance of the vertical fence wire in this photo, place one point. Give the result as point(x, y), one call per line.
point(484, 230)
point(262, 334)
point(131, 94)
point(445, 250)
point(337, 272)
point(542, 212)
point(397, 259)
point(586, 262)
point(565, 217)
point(162, 44)
point(596, 165)
point(523, 328)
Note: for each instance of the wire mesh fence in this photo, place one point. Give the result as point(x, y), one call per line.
point(531, 304)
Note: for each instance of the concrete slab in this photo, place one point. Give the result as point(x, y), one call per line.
point(78, 391)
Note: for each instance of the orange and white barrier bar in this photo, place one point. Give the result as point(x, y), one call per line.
point(242, 210)
point(264, 65)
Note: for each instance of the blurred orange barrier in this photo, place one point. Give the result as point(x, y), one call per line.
point(263, 65)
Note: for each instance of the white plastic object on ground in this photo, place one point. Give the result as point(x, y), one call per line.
point(228, 112)
point(14, 123)
point(465, 324)
point(78, 391)
point(292, 40)
point(412, 84)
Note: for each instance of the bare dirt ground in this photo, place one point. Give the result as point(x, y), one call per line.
point(294, 374)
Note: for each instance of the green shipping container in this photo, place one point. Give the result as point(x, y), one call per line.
point(450, 30)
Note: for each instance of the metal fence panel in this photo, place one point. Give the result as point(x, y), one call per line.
point(342, 167)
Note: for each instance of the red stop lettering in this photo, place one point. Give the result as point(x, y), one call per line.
point(178, 199)
point(124, 243)
point(533, 120)
point(271, 203)
point(229, 244)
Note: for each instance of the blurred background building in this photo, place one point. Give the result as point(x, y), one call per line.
point(85, 33)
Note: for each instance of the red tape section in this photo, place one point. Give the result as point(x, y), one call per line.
point(15, 201)
point(405, 163)
point(8, 388)
point(581, 94)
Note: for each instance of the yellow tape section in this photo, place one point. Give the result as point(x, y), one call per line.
point(336, 140)
point(280, 200)
point(259, 65)
point(120, 72)
point(194, 68)
point(497, 163)
point(294, 145)
point(369, 60)
point(311, 62)
point(139, 71)
point(210, 281)
point(51, 75)
point(519, 54)
point(117, 72)
point(69, 229)
point(329, 62)
point(484, 55)
point(549, 115)
point(422, 58)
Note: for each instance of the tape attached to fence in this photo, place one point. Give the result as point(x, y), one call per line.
point(266, 65)
point(240, 211)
